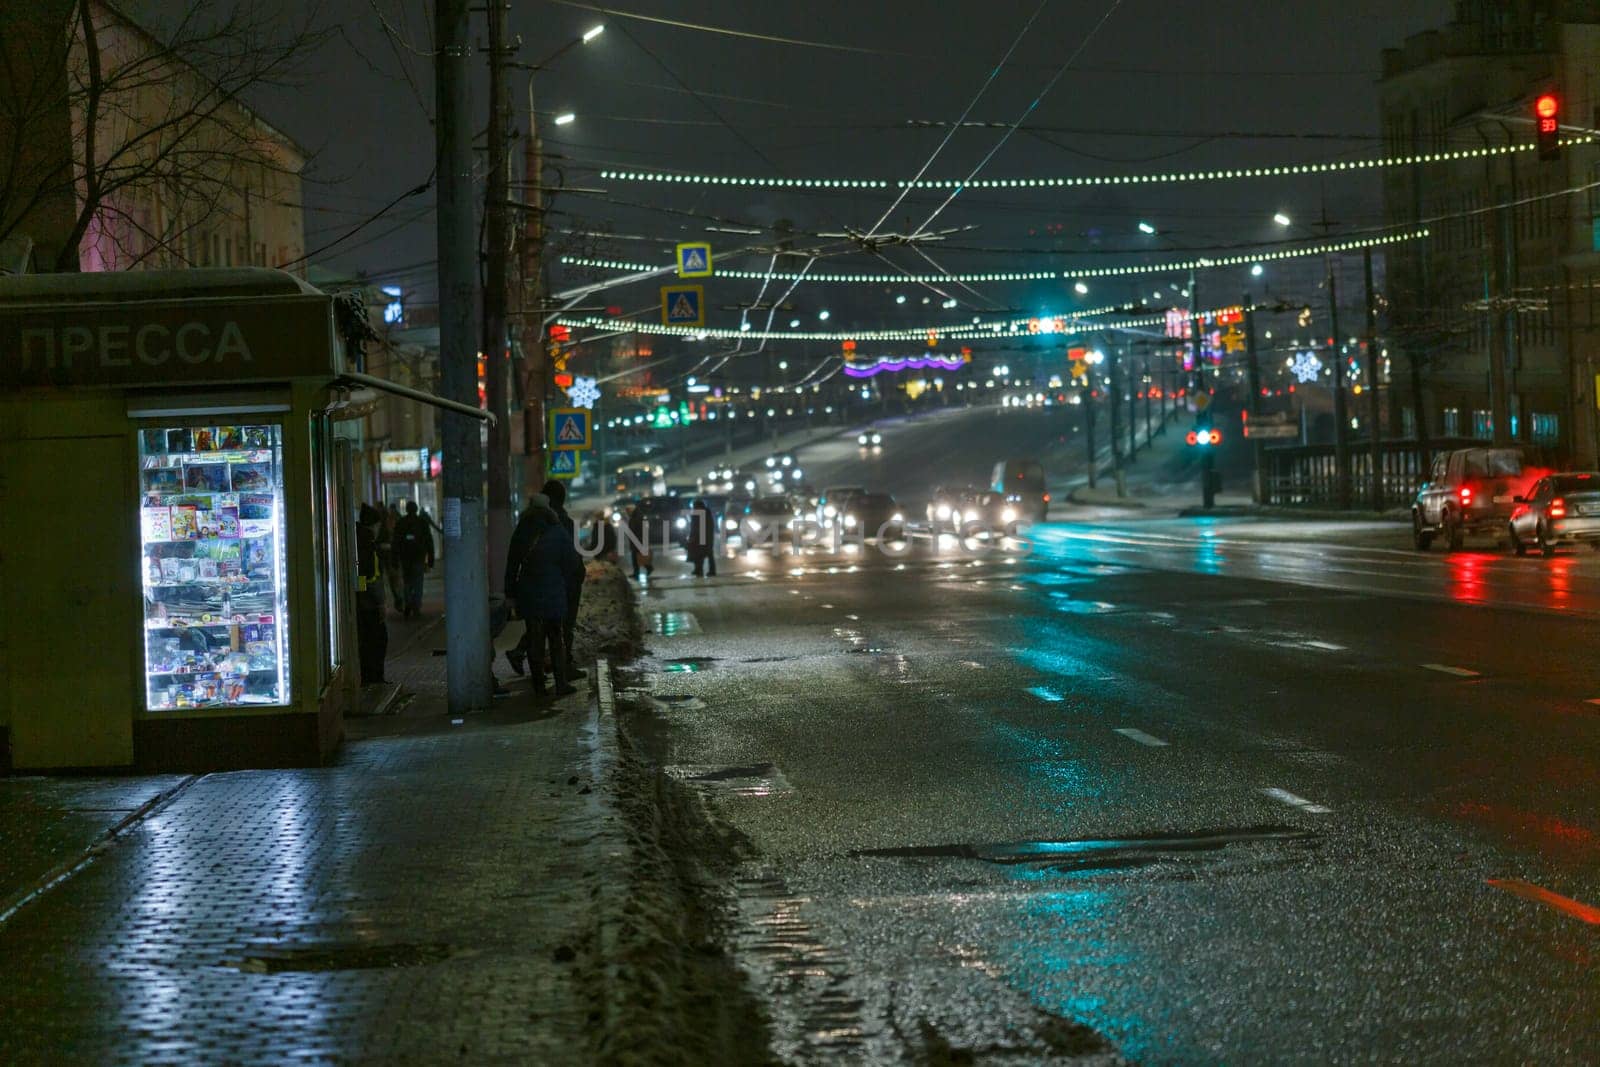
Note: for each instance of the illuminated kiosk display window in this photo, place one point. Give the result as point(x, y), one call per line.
point(211, 516)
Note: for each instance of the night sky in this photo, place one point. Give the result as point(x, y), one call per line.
point(1159, 86)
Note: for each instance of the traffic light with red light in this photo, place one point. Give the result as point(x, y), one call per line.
point(1547, 121)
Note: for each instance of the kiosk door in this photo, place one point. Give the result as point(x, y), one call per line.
point(68, 512)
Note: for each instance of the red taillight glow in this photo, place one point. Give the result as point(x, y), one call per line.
point(1047, 498)
point(1558, 508)
point(1466, 494)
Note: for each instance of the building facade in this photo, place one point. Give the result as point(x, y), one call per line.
point(121, 155)
point(1498, 307)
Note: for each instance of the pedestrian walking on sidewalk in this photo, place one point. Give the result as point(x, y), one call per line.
point(372, 633)
point(700, 545)
point(557, 493)
point(413, 545)
point(639, 541)
point(541, 564)
point(388, 561)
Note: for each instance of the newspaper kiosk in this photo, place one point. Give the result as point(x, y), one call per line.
point(176, 535)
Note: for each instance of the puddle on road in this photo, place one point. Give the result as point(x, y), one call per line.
point(671, 623)
point(749, 780)
point(1098, 853)
point(689, 664)
point(677, 702)
point(333, 957)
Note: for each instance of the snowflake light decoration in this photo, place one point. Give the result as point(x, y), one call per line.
point(1306, 367)
point(583, 392)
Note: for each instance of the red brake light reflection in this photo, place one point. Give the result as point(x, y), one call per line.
point(1466, 494)
point(1558, 508)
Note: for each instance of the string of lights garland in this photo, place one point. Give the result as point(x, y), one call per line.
point(1061, 325)
point(1202, 263)
point(1283, 170)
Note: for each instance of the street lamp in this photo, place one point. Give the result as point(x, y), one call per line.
point(592, 32)
point(1081, 289)
point(566, 118)
point(1146, 228)
point(1281, 219)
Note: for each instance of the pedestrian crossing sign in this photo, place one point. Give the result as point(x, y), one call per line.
point(683, 305)
point(569, 429)
point(694, 260)
point(564, 464)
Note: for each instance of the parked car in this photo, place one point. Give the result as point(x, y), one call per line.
point(1468, 491)
point(1021, 482)
point(1559, 509)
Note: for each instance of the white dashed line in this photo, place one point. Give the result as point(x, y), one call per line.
point(1326, 646)
point(1140, 736)
point(1293, 801)
point(1049, 696)
point(1456, 672)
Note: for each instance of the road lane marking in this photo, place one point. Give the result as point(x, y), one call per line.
point(1049, 696)
point(1293, 801)
point(1528, 891)
point(1326, 646)
point(1457, 672)
point(1140, 736)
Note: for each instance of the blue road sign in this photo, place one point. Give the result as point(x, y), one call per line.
point(694, 260)
point(569, 429)
point(563, 464)
point(683, 305)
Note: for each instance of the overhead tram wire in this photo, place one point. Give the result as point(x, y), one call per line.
point(983, 88)
point(1051, 84)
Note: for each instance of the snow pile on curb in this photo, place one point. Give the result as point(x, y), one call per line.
point(608, 624)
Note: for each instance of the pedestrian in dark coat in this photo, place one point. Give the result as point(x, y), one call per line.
point(639, 540)
point(372, 633)
point(389, 561)
point(541, 564)
point(700, 544)
point(413, 546)
point(556, 491)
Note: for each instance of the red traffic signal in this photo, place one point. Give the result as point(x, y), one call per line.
point(560, 333)
point(1547, 120)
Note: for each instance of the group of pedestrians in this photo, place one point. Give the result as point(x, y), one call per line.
point(396, 551)
point(647, 532)
point(544, 578)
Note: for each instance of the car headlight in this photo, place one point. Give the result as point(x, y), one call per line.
point(942, 511)
point(750, 487)
point(829, 512)
point(1008, 515)
point(681, 524)
point(616, 516)
point(861, 439)
point(897, 517)
point(787, 460)
point(771, 462)
point(877, 438)
point(795, 474)
point(849, 520)
point(729, 524)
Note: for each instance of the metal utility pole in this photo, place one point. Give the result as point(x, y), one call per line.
point(1374, 404)
point(497, 238)
point(1088, 424)
point(1149, 400)
point(535, 359)
point(466, 589)
point(1253, 378)
point(1341, 414)
point(1133, 406)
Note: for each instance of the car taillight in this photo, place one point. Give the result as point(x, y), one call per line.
point(1466, 496)
point(1558, 508)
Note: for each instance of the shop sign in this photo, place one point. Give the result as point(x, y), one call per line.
point(403, 463)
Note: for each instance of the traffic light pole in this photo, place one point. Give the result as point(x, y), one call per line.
point(1208, 462)
point(1088, 425)
point(1253, 377)
point(1341, 412)
point(1374, 403)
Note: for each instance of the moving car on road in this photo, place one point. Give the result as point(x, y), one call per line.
point(869, 439)
point(1468, 491)
point(948, 506)
point(1559, 509)
point(768, 521)
point(828, 502)
point(1021, 482)
point(872, 515)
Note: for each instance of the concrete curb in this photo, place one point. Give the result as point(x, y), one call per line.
point(611, 886)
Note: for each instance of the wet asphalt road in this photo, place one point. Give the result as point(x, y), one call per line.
point(1238, 792)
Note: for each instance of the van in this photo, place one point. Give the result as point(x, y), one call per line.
point(1021, 484)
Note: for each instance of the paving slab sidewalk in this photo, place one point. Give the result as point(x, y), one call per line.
point(432, 895)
